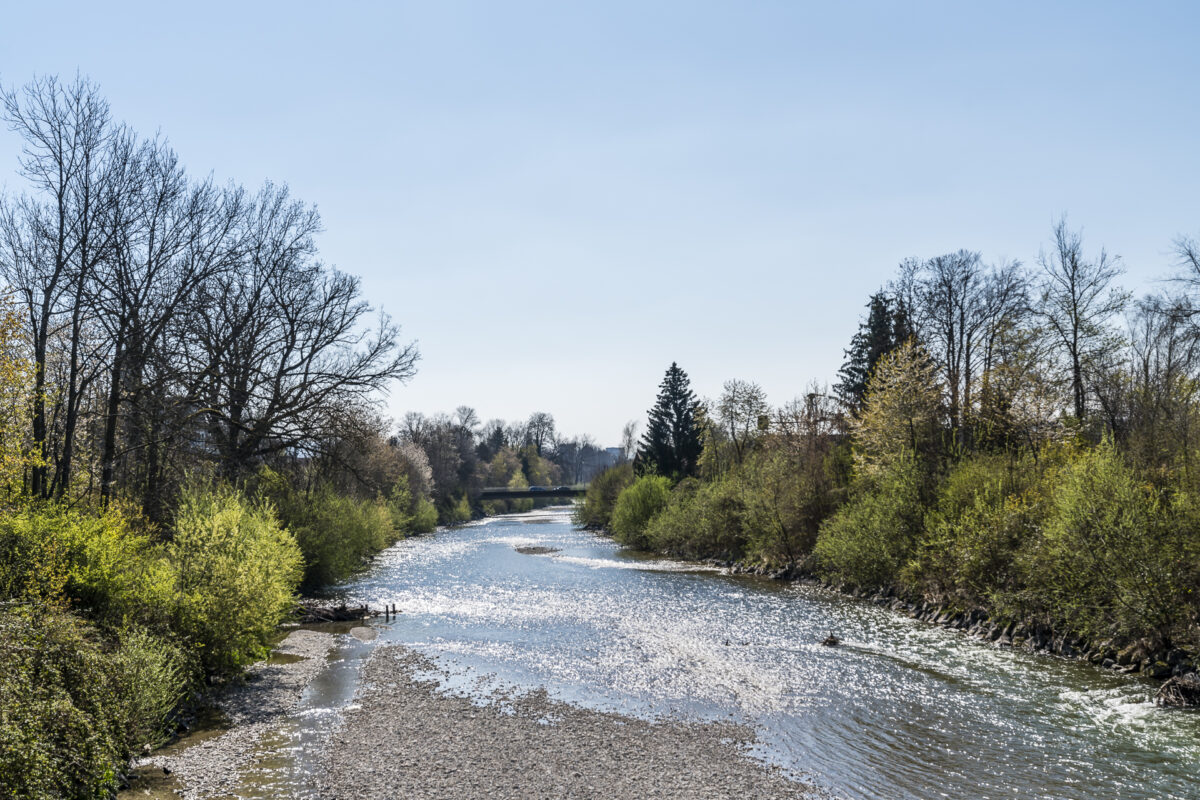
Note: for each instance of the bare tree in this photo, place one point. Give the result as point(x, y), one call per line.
point(282, 341)
point(629, 440)
point(173, 237)
point(950, 304)
point(54, 242)
point(540, 431)
point(742, 405)
point(1077, 301)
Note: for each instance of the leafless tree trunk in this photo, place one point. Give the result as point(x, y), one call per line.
point(1077, 302)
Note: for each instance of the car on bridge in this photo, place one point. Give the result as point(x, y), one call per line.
point(537, 489)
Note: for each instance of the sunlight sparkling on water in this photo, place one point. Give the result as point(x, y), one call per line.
point(902, 710)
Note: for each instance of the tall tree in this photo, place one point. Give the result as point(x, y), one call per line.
point(1077, 301)
point(742, 407)
point(887, 325)
point(283, 342)
point(53, 244)
point(672, 443)
point(539, 431)
point(902, 411)
point(951, 294)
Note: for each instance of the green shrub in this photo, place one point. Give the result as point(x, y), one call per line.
point(400, 506)
point(1116, 555)
point(701, 521)
point(636, 506)
point(424, 517)
point(338, 533)
point(34, 563)
point(986, 513)
point(456, 511)
point(102, 563)
point(155, 675)
point(62, 722)
point(595, 512)
point(411, 513)
point(868, 540)
point(237, 570)
point(788, 493)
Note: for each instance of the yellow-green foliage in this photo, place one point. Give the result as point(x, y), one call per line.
point(900, 414)
point(410, 513)
point(237, 569)
point(457, 510)
point(400, 506)
point(636, 506)
point(701, 521)
point(868, 540)
point(74, 698)
point(595, 511)
point(1116, 554)
point(104, 563)
point(62, 719)
point(16, 396)
point(337, 533)
point(73, 704)
point(788, 492)
point(424, 515)
point(155, 675)
point(988, 509)
point(33, 566)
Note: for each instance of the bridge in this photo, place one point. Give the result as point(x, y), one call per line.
point(533, 492)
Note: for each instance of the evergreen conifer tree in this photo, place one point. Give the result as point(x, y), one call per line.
point(887, 327)
point(672, 443)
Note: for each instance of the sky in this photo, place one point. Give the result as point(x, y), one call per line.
point(557, 200)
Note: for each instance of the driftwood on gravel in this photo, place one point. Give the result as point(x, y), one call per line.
point(311, 612)
point(1182, 691)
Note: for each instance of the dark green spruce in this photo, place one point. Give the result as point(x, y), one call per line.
point(672, 445)
point(887, 326)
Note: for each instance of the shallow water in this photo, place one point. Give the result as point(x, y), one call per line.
point(903, 709)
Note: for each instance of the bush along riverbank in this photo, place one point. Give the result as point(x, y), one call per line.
point(954, 563)
point(115, 631)
point(1070, 543)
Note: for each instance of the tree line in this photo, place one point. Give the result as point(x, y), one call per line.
point(191, 431)
point(460, 455)
point(171, 323)
point(1017, 439)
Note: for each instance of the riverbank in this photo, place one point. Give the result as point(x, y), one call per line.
point(402, 736)
point(900, 710)
point(212, 765)
point(1160, 664)
point(405, 738)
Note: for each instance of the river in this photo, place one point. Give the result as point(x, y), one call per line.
point(902, 709)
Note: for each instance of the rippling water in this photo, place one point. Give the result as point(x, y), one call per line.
point(902, 710)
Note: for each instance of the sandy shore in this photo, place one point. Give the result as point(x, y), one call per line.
point(406, 739)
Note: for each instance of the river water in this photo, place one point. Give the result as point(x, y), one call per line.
point(903, 709)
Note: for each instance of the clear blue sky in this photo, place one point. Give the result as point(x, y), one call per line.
point(559, 199)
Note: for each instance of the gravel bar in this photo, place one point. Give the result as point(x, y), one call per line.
point(211, 768)
point(406, 738)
